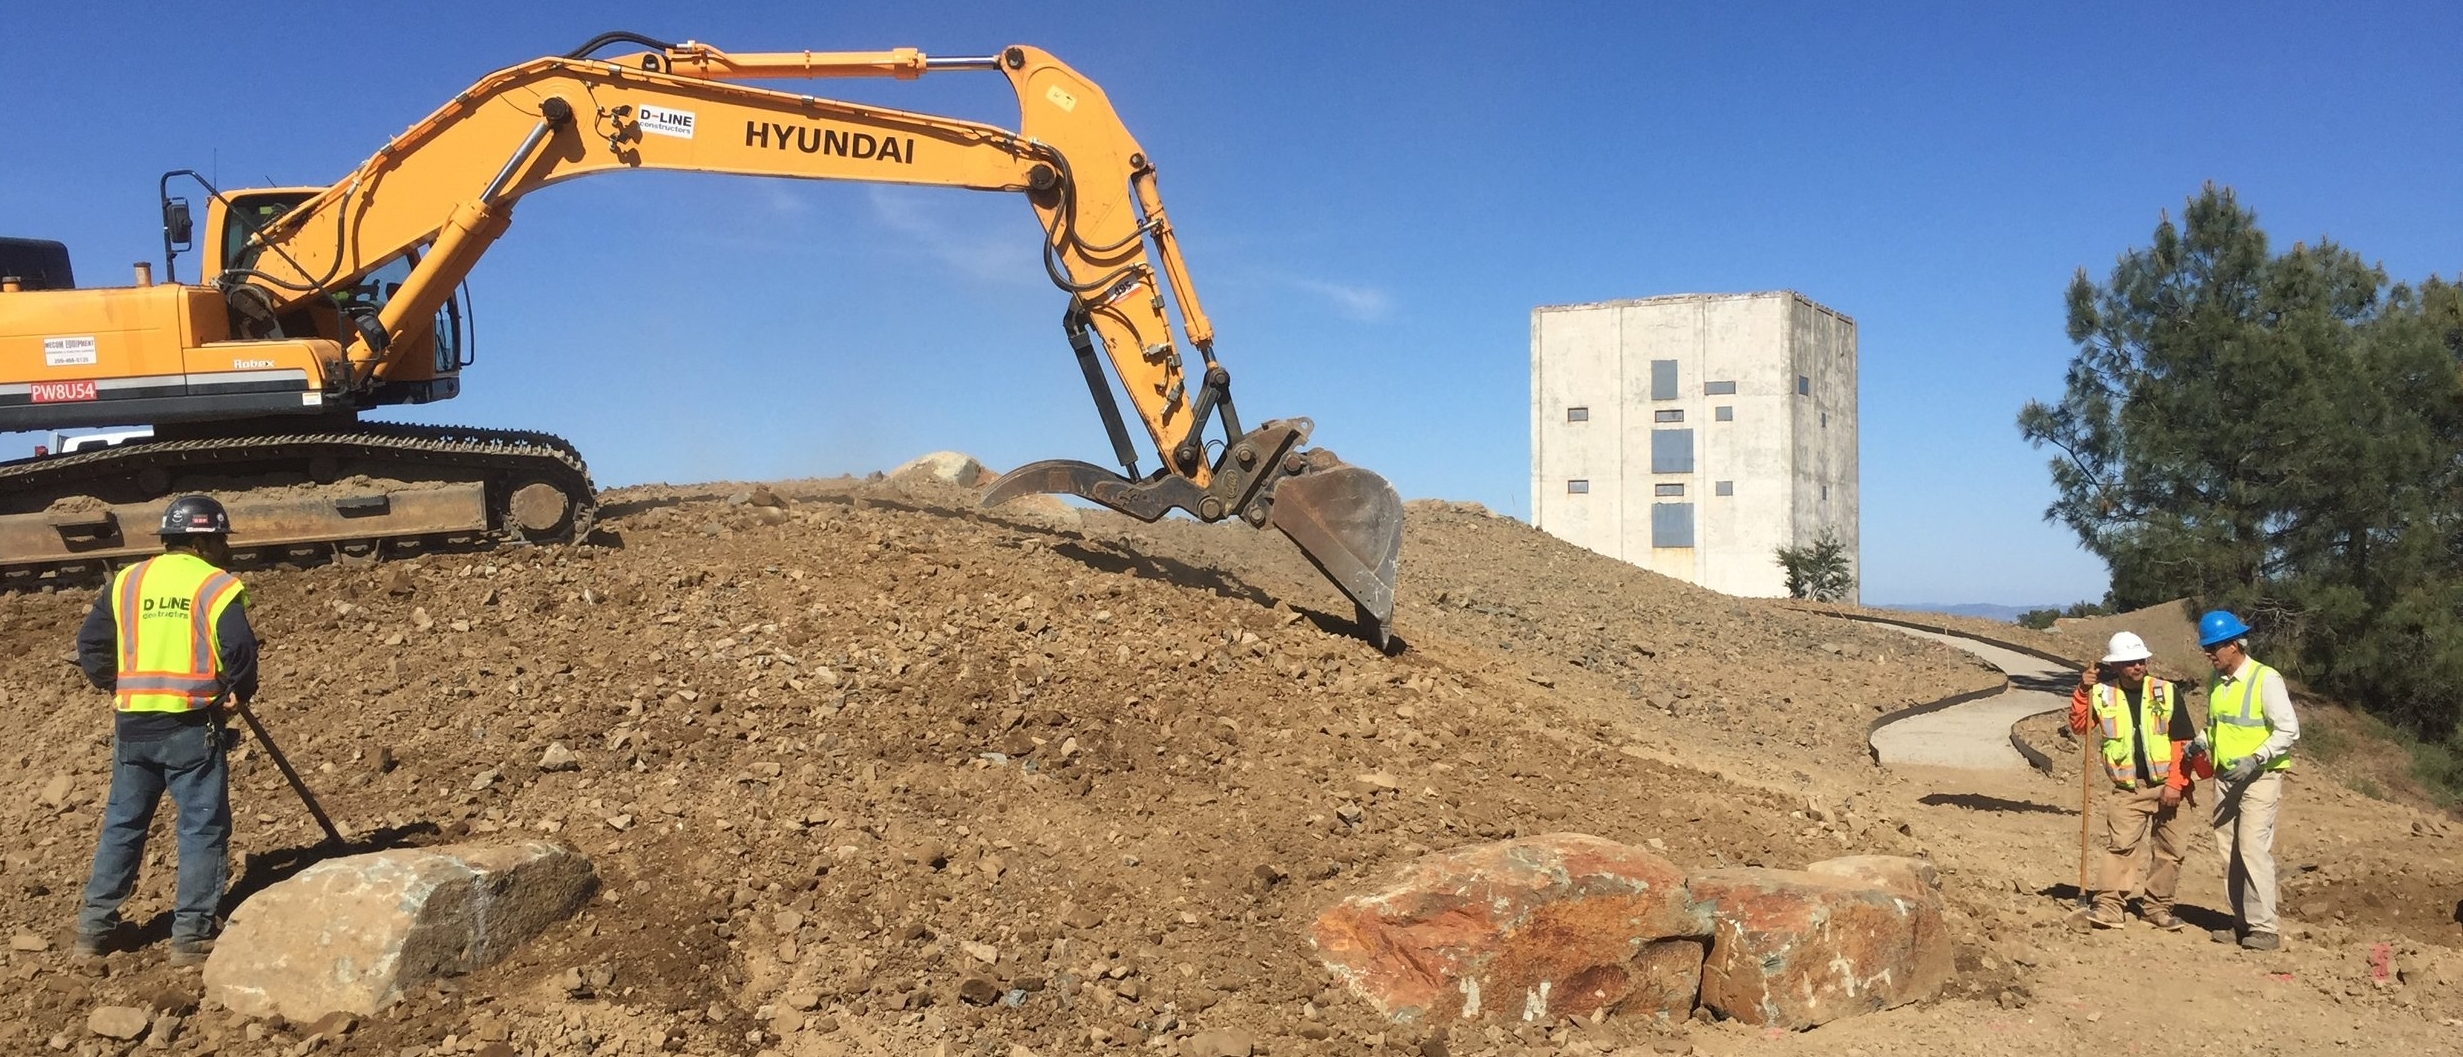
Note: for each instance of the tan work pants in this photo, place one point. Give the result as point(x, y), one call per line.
point(2245, 834)
point(2131, 817)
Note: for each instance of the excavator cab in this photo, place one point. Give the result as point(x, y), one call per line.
point(349, 307)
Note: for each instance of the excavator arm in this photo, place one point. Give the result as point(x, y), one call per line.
point(443, 191)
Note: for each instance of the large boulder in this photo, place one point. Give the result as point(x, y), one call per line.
point(1914, 878)
point(1558, 925)
point(1796, 949)
point(352, 934)
point(956, 468)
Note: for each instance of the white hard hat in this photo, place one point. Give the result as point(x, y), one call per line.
point(2126, 647)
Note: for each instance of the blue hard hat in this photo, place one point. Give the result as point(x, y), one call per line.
point(2218, 627)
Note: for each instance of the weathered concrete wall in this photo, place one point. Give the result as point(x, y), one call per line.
point(1823, 348)
point(1787, 458)
point(1582, 368)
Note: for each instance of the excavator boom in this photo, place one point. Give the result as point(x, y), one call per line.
point(430, 202)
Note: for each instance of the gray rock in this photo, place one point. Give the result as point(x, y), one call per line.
point(1219, 1042)
point(559, 758)
point(954, 467)
point(118, 1022)
point(352, 934)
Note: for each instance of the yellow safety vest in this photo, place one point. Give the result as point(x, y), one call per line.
point(2121, 731)
point(2236, 718)
point(165, 608)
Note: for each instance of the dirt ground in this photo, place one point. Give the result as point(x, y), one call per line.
point(854, 763)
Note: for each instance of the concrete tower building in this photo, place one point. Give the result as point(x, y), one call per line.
point(1695, 435)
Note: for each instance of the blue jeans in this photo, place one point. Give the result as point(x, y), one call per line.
point(189, 765)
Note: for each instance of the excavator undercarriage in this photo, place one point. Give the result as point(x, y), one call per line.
point(359, 490)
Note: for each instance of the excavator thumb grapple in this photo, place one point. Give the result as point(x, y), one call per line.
point(1346, 520)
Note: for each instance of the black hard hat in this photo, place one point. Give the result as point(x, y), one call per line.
point(195, 515)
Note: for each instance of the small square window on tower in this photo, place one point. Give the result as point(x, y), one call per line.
point(1804, 386)
point(1718, 389)
point(1667, 489)
point(1670, 415)
point(1577, 414)
point(1577, 486)
point(1723, 413)
point(1723, 488)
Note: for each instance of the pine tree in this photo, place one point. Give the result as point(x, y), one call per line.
point(2281, 434)
point(1818, 570)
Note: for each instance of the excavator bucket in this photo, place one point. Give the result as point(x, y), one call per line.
point(1346, 520)
point(1349, 523)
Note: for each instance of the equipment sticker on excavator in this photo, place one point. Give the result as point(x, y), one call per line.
point(660, 121)
point(61, 392)
point(68, 352)
point(1061, 98)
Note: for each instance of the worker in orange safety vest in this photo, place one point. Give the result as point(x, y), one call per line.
point(2148, 740)
point(170, 639)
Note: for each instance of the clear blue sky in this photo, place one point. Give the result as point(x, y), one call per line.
point(1371, 199)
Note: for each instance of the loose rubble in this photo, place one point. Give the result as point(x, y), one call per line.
point(827, 751)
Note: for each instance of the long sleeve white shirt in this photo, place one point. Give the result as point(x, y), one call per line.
point(2283, 727)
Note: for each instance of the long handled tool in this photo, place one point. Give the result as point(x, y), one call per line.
point(332, 836)
point(2086, 817)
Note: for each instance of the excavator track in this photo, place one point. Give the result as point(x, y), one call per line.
point(350, 492)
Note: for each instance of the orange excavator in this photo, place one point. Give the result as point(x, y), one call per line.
point(319, 304)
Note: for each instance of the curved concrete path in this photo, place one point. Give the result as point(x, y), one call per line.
point(1976, 735)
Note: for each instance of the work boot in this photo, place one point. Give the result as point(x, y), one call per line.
point(185, 953)
point(2106, 918)
point(85, 955)
point(2224, 936)
point(2261, 941)
point(2166, 920)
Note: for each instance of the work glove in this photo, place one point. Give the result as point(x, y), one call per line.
point(2243, 769)
point(2197, 745)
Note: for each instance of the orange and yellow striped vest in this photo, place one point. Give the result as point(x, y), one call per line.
point(165, 608)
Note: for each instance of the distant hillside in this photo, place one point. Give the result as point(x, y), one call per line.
point(1986, 610)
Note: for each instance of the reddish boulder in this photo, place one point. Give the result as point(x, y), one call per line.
point(1557, 925)
point(1914, 878)
point(1795, 949)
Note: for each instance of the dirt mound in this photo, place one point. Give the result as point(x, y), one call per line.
point(871, 771)
point(2169, 628)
